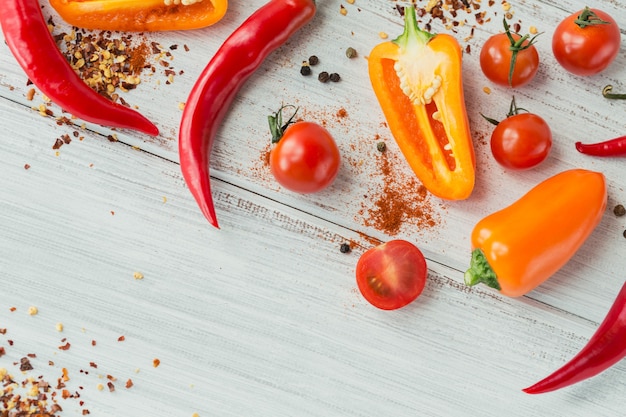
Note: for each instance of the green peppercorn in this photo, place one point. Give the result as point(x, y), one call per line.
point(334, 77)
point(313, 60)
point(323, 77)
point(619, 210)
point(305, 69)
point(351, 52)
point(381, 146)
point(345, 248)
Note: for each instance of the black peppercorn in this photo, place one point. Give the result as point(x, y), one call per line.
point(334, 77)
point(619, 210)
point(313, 60)
point(323, 77)
point(305, 69)
point(345, 248)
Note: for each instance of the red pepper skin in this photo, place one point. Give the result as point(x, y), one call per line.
point(613, 147)
point(606, 347)
point(29, 39)
point(211, 97)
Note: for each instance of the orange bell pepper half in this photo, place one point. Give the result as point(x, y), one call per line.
point(140, 15)
point(418, 82)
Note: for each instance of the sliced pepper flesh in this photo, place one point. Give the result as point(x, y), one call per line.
point(417, 80)
point(141, 15)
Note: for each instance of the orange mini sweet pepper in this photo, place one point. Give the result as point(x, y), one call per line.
point(140, 15)
point(519, 247)
point(418, 82)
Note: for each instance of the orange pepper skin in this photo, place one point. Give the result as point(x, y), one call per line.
point(139, 15)
point(431, 127)
point(519, 247)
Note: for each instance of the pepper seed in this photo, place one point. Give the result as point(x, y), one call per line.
point(323, 77)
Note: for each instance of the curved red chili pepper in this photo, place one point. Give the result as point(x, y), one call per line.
point(606, 347)
point(29, 39)
point(613, 147)
point(210, 99)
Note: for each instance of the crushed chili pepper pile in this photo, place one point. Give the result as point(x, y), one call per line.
point(33, 394)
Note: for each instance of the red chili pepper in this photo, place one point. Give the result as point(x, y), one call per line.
point(29, 39)
point(606, 347)
point(613, 147)
point(210, 99)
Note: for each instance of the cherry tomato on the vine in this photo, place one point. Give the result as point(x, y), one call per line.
point(509, 59)
point(306, 158)
point(521, 141)
point(391, 275)
point(586, 42)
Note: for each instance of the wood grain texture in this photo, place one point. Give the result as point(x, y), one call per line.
point(263, 317)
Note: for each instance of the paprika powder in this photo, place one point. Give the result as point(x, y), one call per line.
point(417, 80)
point(141, 15)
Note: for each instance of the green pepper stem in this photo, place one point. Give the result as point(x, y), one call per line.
point(606, 93)
point(480, 271)
point(524, 42)
point(412, 33)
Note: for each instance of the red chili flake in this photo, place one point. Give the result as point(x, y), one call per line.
point(10, 342)
point(2, 351)
point(26, 166)
point(111, 386)
point(65, 346)
point(3, 331)
point(57, 143)
point(86, 412)
point(121, 338)
point(12, 309)
point(129, 383)
point(25, 364)
point(93, 364)
point(156, 362)
point(93, 343)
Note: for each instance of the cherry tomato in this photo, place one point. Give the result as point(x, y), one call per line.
point(586, 49)
point(391, 275)
point(496, 55)
point(521, 141)
point(306, 158)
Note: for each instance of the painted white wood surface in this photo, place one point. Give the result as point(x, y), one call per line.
point(263, 316)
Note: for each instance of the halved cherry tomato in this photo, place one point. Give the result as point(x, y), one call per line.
point(306, 158)
point(521, 141)
point(586, 42)
point(509, 59)
point(391, 275)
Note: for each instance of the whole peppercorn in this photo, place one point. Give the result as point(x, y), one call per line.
point(619, 210)
point(334, 77)
point(345, 248)
point(323, 77)
point(381, 146)
point(313, 60)
point(305, 69)
point(351, 52)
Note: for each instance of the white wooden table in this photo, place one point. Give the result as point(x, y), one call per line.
point(263, 317)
